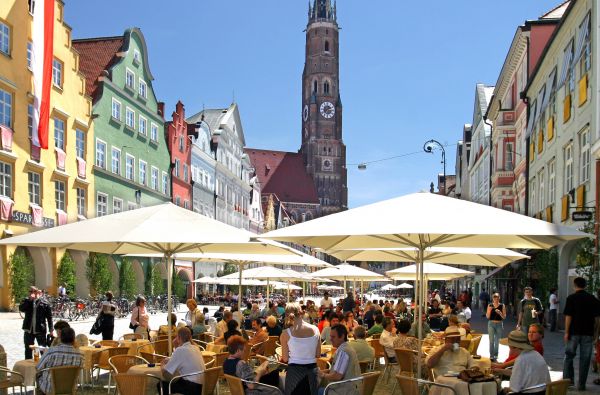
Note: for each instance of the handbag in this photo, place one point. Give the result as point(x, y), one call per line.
point(131, 325)
point(97, 327)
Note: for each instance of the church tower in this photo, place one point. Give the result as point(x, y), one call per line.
point(323, 149)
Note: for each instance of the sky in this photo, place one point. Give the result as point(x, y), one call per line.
point(408, 71)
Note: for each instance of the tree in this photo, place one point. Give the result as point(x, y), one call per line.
point(179, 287)
point(546, 266)
point(66, 273)
point(98, 273)
point(127, 283)
point(586, 258)
point(158, 285)
point(22, 274)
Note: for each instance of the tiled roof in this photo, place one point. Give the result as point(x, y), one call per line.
point(96, 55)
point(284, 174)
point(211, 116)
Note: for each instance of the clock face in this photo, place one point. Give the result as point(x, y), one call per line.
point(305, 113)
point(327, 110)
point(327, 164)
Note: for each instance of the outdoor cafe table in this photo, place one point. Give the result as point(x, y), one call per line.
point(133, 345)
point(27, 369)
point(145, 369)
point(88, 352)
point(216, 348)
point(463, 388)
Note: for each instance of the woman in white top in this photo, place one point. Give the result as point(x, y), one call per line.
point(193, 311)
point(301, 346)
point(140, 318)
point(108, 310)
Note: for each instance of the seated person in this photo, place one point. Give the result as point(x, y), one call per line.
point(377, 327)
point(234, 365)
point(414, 330)
point(344, 365)
point(349, 321)
point(535, 336)
point(435, 315)
point(199, 326)
point(232, 330)
point(58, 327)
point(449, 357)
point(64, 354)
point(325, 320)
point(388, 336)
point(164, 329)
point(387, 312)
point(334, 319)
point(186, 359)
point(530, 368)
point(260, 335)
point(404, 340)
point(273, 327)
point(254, 312)
point(363, 350)
point(453, 323)
point(463, 312)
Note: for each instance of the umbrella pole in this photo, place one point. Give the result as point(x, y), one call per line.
point(422, 288)
point(239, 303)
point(288, 295)
point(268, 292)
point(362, 291)
point(169, 301)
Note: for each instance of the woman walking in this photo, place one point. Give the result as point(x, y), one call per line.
point(496, 313)
point(301, 346)
point(140, 318)
point(108, 311)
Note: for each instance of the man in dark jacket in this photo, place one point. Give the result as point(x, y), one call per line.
point(349, 303)
point(37, 321)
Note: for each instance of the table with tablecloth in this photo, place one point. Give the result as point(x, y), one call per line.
point(216, 348)
point(88, 353)
point(463, 388)
point(27, 368)
point(133, 345)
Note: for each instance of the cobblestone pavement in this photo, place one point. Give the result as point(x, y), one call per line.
point(11, 337)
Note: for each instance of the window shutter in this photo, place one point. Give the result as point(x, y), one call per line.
point(564, 213)
point(581, 197)
point(567, 108)
point(549, 213)
point(583, 85)
point(540, 141)
point(531, 150)
point(550, 128)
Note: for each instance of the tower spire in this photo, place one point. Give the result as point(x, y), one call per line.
point(322, 10)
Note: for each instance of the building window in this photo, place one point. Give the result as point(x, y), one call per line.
point(4, 38)
point(131, 206)
point(34, 187)
point(326, 87)
point(568, 168)
point(326, 46)
point(153, 132)
point(29, 54)
point(5, 108)
point(509, 154)
point(59, 133)
point(143, 126)
point(129, 165)
point(59, 195)
point(542, 195)
point(584, 143)
point(136, 56)
point(176, 168)
point(81, 202)
point(101, 204)
point(532, 185)
point(178, 200)
point(57, 73)
point(165, 183)
point(116, 160)
point(143, 167)
point(586, 51)
point(130, 118)
point(30, 120)
point(315, 86)
point(101, 154)
point(116, 109)
point(129, 79)
point(185, 172)
point(154, 178)
point(143, 89)
point(80, 143)
point(117, 205)
point(180, 143)
point(551, 181)
point(5, 179)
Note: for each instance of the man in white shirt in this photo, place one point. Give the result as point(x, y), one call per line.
point(449, 357)
point(463, 312)
point(387, 338)
point(553, 310)
point(530, 368)
point(186, 359)
point(326, 302)
point(222, 325)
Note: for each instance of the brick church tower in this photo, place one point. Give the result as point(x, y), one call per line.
point(323, 149)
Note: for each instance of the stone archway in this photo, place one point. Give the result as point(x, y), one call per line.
point(82, 285)
point(114, 270)
point(42, 263)
point(160, 266)
point(187, 277)
point(139, 276)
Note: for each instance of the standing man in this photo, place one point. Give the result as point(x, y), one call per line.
point(62, 290)
point(582, 327)
point(349, 303)
point(530, 311)
point(326, 303)
point(484, 298)
point(37, 321)
point(553, 309)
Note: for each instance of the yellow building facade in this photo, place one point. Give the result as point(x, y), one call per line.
point(58, 181)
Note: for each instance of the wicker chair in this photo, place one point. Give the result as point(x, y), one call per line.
point(133, 384)
point(211, 379)
point(122, 363)
point(405, 358)
point(108, 343)
point(236, 385)
point(369, 382)
point(220, 359)
point(161, 347)
point(466, 343)
point(11, 379)
point(364, 365)
point(389, 366)
point(270, 345)
point(209, 362)
point(323, 364)
point(379, 351)
point(475, 345)
point(131, 336)
point(98, 361)
point(410, 385)
point(331, 386)
point(63, 379)
point(176, 378)
point(152, 358)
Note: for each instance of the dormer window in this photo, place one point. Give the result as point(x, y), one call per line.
point(136, 56)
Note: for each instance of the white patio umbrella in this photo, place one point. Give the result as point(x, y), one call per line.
point(264, 273)
point(388, 287)
point(345, 272)
point(424, 220)
point(404, 286)
point(431, 271)
point(164, 229)
point(280, 285)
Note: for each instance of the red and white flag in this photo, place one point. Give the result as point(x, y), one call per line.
point(41, 63)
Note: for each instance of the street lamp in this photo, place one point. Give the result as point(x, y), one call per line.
point(429, 147)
